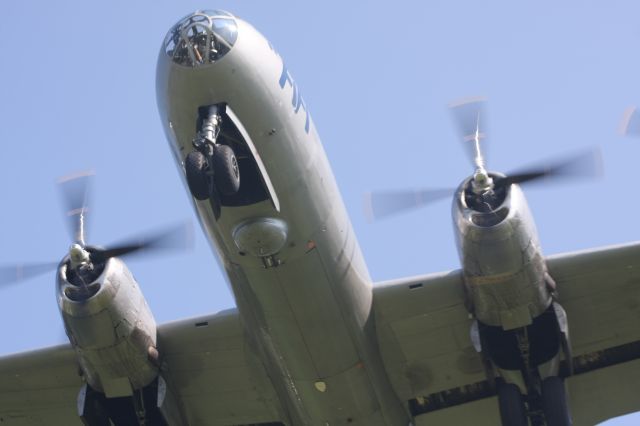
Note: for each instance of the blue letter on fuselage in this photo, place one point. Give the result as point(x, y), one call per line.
point(296, 100)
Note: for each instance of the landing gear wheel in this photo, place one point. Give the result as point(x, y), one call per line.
point(512, 409)
point(198, 178)
point(226, 170)
point(554, 402)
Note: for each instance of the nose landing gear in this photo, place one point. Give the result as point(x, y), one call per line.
point(212, 166)
point(226, 171)
point(199, 179)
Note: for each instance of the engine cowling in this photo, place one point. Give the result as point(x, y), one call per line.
point(503, 266)
point(110, 326)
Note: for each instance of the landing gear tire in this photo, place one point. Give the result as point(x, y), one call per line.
point(512, 409)
point(226, 170)
point(198, 178)
point(554, 402)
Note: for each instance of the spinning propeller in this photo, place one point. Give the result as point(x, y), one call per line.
point(75, 194)
point(630, 125)
point(470, 118)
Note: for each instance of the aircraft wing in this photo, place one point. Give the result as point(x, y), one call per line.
point(424, 333)
point(217, 377)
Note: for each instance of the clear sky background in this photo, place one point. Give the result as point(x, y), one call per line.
point(77, 90)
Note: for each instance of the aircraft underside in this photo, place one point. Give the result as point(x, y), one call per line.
point(513, 337)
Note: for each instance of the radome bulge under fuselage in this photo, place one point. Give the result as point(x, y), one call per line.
point(307, 306)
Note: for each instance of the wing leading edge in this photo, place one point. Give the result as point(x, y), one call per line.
point(424, 333)
point(423, 329)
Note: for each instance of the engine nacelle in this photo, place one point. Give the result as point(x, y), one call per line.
point(504, 270)
point(110, 327)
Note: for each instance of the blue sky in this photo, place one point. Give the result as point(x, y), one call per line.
point(78, 92)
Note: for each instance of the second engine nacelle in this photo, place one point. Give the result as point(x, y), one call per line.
point(110, 327)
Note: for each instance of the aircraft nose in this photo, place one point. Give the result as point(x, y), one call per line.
point(201, 38)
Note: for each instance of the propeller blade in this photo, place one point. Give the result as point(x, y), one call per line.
point(382, 204)
point(469, 116)
point(175, 238)
point(75, 196)
point(585, 164)
point(24, 271)
point(631, 123)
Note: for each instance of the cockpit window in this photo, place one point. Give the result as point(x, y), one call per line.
point(201, 38)
point(226, 29)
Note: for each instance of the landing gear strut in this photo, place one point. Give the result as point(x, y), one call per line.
point(212, 166)
point(526, 362)
point(511, 403)
point(554, 402)
point(154, 405)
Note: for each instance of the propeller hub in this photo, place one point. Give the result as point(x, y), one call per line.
point(482, 182)
point(78, 255)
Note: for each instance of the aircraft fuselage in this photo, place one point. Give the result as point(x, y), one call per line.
point(291, 258)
